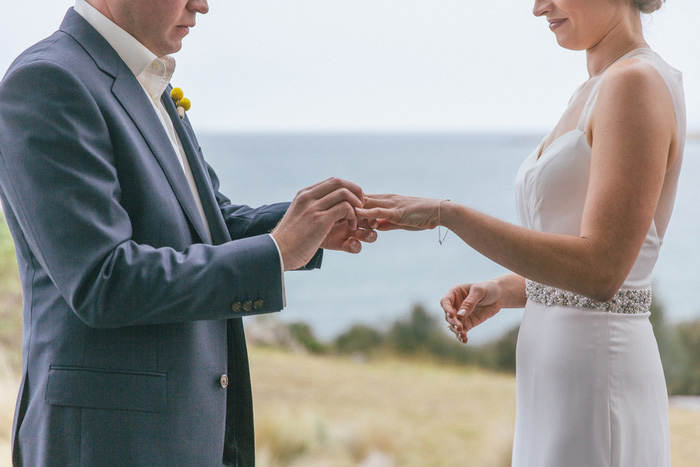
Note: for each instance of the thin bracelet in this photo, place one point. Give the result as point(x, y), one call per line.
point(441, 238)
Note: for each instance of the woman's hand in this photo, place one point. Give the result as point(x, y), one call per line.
point(400, 212)
point(469, 305)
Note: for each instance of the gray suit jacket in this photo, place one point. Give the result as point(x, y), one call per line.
point(130, 319)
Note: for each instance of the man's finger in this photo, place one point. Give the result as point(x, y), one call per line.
point(338, 196)
point(351, 245)
point(342, 211)
point(322, 189)
point(364, 235)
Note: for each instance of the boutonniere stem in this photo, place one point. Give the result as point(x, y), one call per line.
point(182, 103)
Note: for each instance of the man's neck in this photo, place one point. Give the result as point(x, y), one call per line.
point(103, 7)
point(136, 56)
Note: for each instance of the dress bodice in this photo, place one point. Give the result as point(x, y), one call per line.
point(551, 184)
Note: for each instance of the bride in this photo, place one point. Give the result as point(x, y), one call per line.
point(594, 200)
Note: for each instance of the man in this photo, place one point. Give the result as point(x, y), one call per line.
point(135, 269)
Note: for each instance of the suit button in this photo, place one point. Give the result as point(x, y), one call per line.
point(258, 304)
point(236, 307)
point(247, 305)
point(223, 381)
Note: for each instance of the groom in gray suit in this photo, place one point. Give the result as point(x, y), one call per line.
point(135, 269)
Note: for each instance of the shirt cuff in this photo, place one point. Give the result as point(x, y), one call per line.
point(284, 293)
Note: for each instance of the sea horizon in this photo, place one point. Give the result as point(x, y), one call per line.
point(403, 269)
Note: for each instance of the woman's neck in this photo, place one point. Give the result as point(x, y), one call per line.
point(622, 38)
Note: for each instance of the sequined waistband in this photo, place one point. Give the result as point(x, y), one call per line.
point(625, 301)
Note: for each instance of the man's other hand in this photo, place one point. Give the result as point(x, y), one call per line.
point(322, 215)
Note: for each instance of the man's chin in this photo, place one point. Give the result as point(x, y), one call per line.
point(169, 49)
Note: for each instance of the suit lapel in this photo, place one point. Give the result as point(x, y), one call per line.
point(135, 102)
point(217, 227)
point(133, 99)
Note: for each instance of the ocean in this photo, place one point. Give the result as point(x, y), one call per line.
point(402, 269)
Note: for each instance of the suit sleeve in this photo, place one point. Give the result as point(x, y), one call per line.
point(243, 221)
point(58, 173)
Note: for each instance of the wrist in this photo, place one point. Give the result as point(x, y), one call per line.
point(512, 290)
point(282, 248)
point(445, 212)
point(441, 238)
point(279, 251)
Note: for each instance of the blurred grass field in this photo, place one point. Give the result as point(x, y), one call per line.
point(331, 411)
point(316, 411)
point(9, 384)
point(321, 411)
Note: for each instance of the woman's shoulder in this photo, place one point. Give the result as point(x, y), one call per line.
point(632, 79)
point(634, 97)
point(634, 72)
point(645, 71)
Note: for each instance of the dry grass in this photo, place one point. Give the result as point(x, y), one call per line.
point(325, 411)
point(334, 412)
point(685, 437)
point(339, 412)
point(9, 384)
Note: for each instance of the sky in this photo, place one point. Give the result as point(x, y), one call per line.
point(378, 65)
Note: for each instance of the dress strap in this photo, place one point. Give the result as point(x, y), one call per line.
point(590, 101)
point(588, 107)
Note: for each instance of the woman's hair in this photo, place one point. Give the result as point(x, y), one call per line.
point(648, 6)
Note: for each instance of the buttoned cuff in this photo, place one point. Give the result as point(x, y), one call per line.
point(284, 292)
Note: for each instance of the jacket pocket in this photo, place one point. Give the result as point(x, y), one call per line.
point(96, 388)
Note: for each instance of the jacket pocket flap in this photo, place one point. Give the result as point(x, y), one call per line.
point(107, 389)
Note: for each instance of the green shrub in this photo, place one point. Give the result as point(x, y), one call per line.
point(10, 296)
point(689, 337)
point(421, 334)
point(8, 263)
point(359, 339)
point(679, 347)
point(503, 351)
point(412, 336)
point(305, 336)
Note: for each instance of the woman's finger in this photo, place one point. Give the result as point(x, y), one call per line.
point(378, 201)
point(447, 305)
point(368, 224)
point(476, 295)
point(388, 214)
point(454, 323)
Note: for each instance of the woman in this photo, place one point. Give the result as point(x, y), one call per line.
point(594, 200)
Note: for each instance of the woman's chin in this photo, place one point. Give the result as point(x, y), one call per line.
point(565, 43)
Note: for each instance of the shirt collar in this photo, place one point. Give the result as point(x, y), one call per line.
point(152, 72)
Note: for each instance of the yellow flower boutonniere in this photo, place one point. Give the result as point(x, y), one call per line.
point(182, 103)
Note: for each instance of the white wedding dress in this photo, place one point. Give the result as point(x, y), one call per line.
point(590, 386)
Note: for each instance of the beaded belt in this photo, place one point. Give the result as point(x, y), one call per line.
point(625, 301)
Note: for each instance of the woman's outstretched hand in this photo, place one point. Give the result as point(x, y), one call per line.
point(469, 305)
point(400, 212)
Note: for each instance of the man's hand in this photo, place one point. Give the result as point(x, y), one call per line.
point(342, 238)
point(322, 215)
